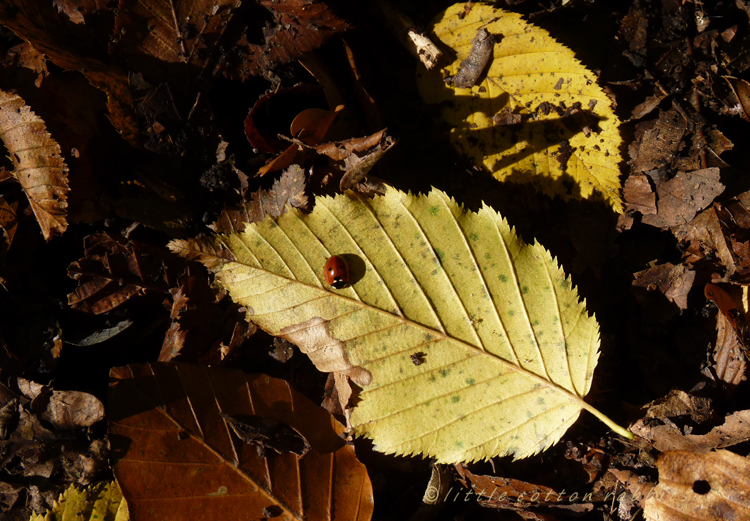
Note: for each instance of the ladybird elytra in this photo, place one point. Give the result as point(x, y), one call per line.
point(337, 272)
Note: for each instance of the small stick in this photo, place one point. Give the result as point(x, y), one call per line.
point(471, 68)
point(410, 37)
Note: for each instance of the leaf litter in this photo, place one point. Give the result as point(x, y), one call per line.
point(169, 157)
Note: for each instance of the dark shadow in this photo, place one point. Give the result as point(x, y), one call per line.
point(561, 123)
point(357, 267)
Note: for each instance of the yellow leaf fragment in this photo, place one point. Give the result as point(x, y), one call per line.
point(536, 115)
point(40, 169)
point(103, 501)
point(468, 343)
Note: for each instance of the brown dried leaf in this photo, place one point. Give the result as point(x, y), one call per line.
point(520, 496)
point(72, 409)
point(668, 436)
point(8, 225)
point(683, 196)
point(657, 141)
point(674, 281)
point(741, 90)
point(311, 125)
point(297, 27)
point(114, 270)
point(357, 167)
point(712, 486)
point(704, 235)
point(634, 483)
point(38, 165)
point(76, 10)
point(288, 190)
point(24, 55)
point(648, 105)
point(638, 194)
point(680, 403)
point(172, 32)
point(182, 457)
point(730, 362)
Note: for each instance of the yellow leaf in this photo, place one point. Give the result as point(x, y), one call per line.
point(468, 344)
point(103, 501)
point(553, 125)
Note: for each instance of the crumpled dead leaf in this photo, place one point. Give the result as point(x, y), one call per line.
point(114, 270)
point(704, 236)
point(296, 27)
point(683, 196)
point(712, 486)
point(39, 167)
point(674, 281)
point(666, 435)
point(65, 410)
point(287, 191)
point(657, 141)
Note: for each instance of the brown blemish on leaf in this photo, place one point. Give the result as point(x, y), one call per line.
point(326, 352)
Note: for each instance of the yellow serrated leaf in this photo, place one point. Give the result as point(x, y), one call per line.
point(553, 126)
point(102, 501)
point(468, 344)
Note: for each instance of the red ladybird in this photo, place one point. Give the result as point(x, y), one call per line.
point(337, 272)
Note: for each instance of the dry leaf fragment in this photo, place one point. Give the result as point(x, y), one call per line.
point(674, 281)
point(38, 165)
point(712, 486)
point(657, 141)
point(8, 225)
point(683, 196)
point(115, 270)
point(729, 352)
point(704, 236)
point(24, 55)
point(638, 194)
point(287, 191)
point(153, 32)
point(296, 27)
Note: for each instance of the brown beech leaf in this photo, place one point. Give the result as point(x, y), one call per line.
point(38, 165)
point(115, 270)
point(181, 457)
point(700, 486)
point(297, 27)
point(287, 191)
